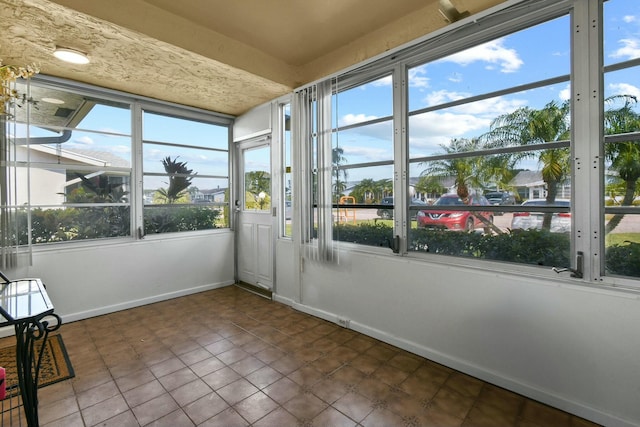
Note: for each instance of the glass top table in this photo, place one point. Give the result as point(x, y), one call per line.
point(23, 299)
point(25, 304)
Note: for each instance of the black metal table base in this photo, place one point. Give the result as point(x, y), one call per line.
point(29, 359)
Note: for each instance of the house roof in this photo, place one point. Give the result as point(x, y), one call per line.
point(527, 179)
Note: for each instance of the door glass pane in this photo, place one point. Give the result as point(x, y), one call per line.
point(257, 179)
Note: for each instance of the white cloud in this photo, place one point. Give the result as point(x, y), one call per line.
point(493, 53)
point(385, 81)
point(379, 131)
point(442, 96)
point(83, 141)
point(455, 78)
point(630, 49)
point(429, 130)
point(417, 77)
point(625, 89)
point(350, 119)
point(629, 18)
point(368, 153)
point(121, 149)
point(565, 93)
point(491, 106)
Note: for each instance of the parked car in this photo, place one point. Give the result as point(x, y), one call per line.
point(455, 220)
point(387, 213)
point(500, 198)
point(497, 198)
point(560, 221)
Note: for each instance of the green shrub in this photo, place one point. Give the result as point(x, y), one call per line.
point(369, 233)
point(58, 225)
point(623, 259)
point(166, 219)
point(537, 247)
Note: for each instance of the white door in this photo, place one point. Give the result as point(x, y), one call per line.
point(255, 220)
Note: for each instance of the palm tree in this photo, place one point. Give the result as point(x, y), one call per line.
point(465, 170)
point(180, 178)
point(526, 126)
point(338, 189)
point(337, 159)
point(625, 155)
point(364, 190)
point(430, 185)
point(384, 187)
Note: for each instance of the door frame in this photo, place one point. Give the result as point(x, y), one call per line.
point(240, 147)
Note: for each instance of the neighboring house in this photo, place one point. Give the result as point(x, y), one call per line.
point(216, 195)
point(530, 185)
point(59, 182)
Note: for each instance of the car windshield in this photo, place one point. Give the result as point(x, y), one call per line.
point(449, 201)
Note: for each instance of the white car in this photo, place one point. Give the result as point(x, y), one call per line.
point(560, 221)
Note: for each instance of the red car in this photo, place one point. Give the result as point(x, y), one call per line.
point(455, 220)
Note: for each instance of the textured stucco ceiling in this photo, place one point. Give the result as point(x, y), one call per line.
point(225, 56)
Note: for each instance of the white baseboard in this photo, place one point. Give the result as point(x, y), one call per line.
point(469, 368)
point(67, 318)
point(143, 301)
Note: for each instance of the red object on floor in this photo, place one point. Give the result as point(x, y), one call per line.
point(3, 385)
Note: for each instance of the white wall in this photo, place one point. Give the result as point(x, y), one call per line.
point(89, 280)
point(574, 347)
point(254, 123)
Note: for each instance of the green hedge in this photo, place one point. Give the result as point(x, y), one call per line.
point(73, 223)
point(165, 219)
point(536, 247)
point(623, 259)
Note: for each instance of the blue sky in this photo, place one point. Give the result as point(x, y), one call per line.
point(534, 54)
point(530, 55)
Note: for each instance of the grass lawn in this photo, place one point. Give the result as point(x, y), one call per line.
point(621, 238)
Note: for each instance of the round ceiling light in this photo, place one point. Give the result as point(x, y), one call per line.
point(53, 100)
point(71, 55)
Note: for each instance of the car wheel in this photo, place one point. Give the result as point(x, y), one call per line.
point(470, 225)
point(386, 215)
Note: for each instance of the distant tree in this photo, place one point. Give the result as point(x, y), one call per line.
point(526, 126)
point(623, 155)
point(364, 191)
point(99, 189)
point(430, 185)
point(338, 189)
point(465, 170)
point(384, 188)
point(180, 178)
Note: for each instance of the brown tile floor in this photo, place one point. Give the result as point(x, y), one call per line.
point(229, 358)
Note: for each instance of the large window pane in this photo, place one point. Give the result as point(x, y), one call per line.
point(362, 162)
point(185, 167)
point(511, 148)
point(199, 161)
point(73, 166)
point(621, 220)
point(183, 131)
point(287, 177)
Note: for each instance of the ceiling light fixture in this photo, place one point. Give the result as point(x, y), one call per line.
point(71, 55)
point(53, 100)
